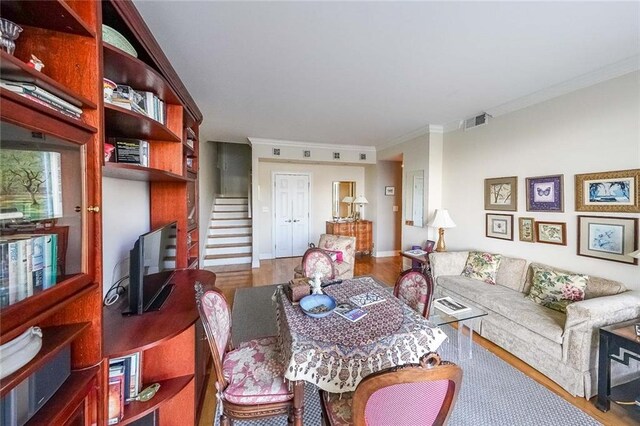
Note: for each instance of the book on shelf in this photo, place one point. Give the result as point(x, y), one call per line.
point(366, 299)
point(132, 376)
point(350, 312)
point(449, 305)
point(140, 101)
point(130, 151)
point(42, 96)
point(116, 394)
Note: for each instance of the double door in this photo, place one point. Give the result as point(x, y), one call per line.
point(291, 194)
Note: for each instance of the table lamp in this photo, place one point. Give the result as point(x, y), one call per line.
point(442, 221)
point(348, 201)
point(360, 201)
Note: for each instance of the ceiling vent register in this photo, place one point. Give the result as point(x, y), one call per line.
point(478, 120)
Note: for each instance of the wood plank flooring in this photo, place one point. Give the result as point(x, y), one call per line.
point(387, 269)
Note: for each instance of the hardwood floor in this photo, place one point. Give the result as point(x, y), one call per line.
point(387, 269)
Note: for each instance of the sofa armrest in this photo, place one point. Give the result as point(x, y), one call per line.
point(602, 311)
point(447, 263)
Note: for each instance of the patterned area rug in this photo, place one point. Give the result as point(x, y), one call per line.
point(492, 393)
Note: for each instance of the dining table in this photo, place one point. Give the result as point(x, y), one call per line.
point(335, 354)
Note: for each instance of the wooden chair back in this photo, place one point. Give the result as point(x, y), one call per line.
point(316, 261)
point(216, 320)
point(415, 288)
point(418, 394)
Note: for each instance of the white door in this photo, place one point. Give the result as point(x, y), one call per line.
point(291, 193)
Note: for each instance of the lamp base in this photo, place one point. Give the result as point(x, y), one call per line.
point(440, 246)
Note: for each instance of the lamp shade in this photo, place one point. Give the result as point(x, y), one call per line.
point(441, 220)
point(635, 254)
point(347, 200)
point(360, 200)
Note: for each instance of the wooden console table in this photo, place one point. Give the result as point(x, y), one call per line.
point(361, 229)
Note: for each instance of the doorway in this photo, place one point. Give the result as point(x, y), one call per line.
point(291, 214)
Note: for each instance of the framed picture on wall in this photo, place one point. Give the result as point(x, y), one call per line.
point(551, 232)
point(499, 226)
point(609, 191)
point(389, 190)
point(608, 238)
point(545, 193)
point(525, 229)
point(501, 193)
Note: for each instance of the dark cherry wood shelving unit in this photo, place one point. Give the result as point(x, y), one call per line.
point(168, 389)
point(124, 123)
point(140, 173)
point(51, 15)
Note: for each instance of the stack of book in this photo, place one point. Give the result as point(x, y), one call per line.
point(28, 264)
point(124, 384)
point(43, 97)
point(145, 103)
point(129, 151)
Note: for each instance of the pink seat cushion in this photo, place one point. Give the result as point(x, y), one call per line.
point(338, 408)
point(415, 404)
point(255, 373)
point(335, 254)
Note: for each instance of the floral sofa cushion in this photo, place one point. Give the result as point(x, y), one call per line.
point(555, 289)
point(255, 373)
point(482, 266)
point(338, 407)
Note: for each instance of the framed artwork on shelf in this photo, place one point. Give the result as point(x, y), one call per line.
point(608, 191)
point(551, 232)
point(608, 238)
point(499, 226)
point(389, 190)
point(525, 229)
point(545, 193)
point(429, 246)
point(501, 193)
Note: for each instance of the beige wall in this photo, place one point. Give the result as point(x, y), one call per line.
point(387, 224)
point(207, 182)
point(591, 130)
point(321, 178)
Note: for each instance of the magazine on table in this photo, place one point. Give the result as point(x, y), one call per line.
point(366, 299)
point(416, 252)
point(449, 305)
point(350, 312)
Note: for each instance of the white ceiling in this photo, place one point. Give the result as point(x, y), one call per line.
point(368, 73)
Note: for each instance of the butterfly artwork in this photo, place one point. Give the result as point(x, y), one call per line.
point(545, 193)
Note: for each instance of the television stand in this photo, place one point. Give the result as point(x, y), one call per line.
point(161, 297)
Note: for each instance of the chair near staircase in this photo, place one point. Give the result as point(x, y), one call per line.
point(250, 378)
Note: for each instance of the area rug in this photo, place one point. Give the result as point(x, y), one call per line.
point(492, 392)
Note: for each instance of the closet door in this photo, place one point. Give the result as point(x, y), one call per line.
point(291, 214)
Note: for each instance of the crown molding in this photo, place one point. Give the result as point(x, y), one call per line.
point(404, 138)
point(298, 144)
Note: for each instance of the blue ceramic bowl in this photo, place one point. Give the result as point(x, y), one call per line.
point(308, 303)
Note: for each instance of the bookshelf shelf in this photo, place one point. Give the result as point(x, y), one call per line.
point(53, 340)
point(62, 405)
point(139, 173)
point(36, 112)
point(12, 68)
point(53, 15)
point(122, 68)
point(168, 389)
point(31, 311)
point(121, 122)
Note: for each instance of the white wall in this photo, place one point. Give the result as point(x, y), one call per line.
point(595, 129)
point(322, 178)
point(207, 182)
point(125, 215)
point(235, 162)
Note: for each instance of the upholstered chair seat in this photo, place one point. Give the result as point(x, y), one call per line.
point(336, 243)
point(415, 289)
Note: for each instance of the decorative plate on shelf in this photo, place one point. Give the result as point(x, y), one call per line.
point(114, 38)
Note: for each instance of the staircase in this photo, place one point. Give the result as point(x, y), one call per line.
point(230, 236)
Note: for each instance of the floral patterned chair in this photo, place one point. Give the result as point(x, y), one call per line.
point(415, 394)
point(346, 246)
point(250, 378)
point(316, 261)
point(415, 288)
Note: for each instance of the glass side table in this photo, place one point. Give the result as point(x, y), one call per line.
point(463, 319)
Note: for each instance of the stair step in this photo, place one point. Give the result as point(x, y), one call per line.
point(229, 235)
point(225, 256)
point(231, 208)
point(228, 249)
point(237, 223)
point(232, 201)
point(229, 215)
point(226, 261)
point(228, 245)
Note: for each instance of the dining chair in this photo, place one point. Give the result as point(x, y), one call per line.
point(317, 261)
point(249, 378)
point(344, 245)
point(415, 288)
point(417, 394)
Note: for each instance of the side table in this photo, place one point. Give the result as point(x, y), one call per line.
point(618, 342)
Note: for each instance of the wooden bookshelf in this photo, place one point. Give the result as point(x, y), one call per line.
point(140, 173)
point(168, 389)
point(55, 15)
point(130, 124)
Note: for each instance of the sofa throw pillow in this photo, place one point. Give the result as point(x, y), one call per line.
point(555, 289)
point(482, 266)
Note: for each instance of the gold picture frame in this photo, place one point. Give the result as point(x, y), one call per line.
point(616, 191)
point(526, 229)
point(551, 232)
point(501, 193)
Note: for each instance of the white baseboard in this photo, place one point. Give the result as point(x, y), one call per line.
point(255, 263)
point(264, 256)
point(386, 253)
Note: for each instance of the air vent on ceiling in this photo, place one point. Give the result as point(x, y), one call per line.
point(478, 120)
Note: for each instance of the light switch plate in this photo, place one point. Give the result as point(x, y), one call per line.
point(395, 208)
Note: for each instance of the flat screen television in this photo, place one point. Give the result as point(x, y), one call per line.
point(150, 270)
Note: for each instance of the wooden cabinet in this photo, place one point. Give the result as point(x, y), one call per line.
point(361, 229)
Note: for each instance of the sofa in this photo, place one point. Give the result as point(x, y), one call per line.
point(346, 245)
point(562, 346)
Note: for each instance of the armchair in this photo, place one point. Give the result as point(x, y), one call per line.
point(347, 245)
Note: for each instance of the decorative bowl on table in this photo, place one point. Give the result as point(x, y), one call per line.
point(317, 305)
